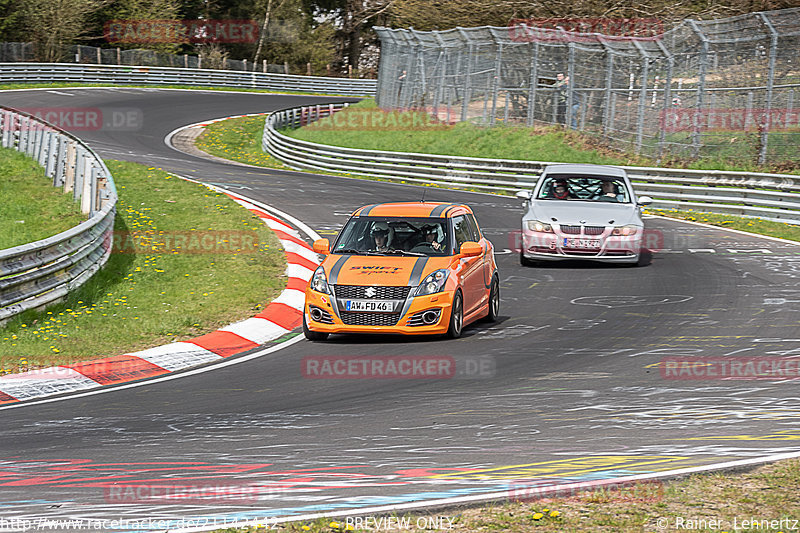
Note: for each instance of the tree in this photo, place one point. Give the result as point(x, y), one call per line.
point(55, 24)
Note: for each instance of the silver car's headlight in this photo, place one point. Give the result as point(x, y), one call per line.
point(433, 283)
point(319, 282)
point(625, 231)
point(541, 227)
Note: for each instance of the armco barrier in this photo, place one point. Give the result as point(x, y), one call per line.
point(126, 75)
point(36, 274)
point(767, 196)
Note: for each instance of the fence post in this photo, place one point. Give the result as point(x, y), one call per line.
point(773, 52)
point(662, 136)
point(534, 82)
point(642, 96)
point(496, 81)
point(467, 76)
point(609, 87)
point(571, 85)
point(701, 86)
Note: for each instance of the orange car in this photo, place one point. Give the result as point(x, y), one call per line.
point(416, 268)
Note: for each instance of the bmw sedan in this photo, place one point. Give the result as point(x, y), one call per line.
point(579, 211)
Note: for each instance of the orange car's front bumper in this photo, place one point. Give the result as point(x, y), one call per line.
point(441, 302)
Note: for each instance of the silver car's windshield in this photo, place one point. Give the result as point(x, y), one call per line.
point(584, 188)
point(394, 236)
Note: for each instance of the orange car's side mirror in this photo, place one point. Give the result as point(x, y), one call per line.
point(322, 246)
point(471, 249)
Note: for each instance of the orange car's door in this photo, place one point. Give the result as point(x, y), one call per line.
point(471, 267)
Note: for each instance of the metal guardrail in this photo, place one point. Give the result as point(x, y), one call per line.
point(127, 75)
point(39, 273)
point(773, 197)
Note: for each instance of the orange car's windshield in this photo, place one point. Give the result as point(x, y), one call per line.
point(394, 235)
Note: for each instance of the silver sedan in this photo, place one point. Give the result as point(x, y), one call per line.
point(582, 212)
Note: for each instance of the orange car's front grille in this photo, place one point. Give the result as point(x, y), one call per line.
point(353, 318)
point(353, 292)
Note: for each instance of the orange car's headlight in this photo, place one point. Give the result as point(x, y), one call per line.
point(433, 282)
point(319, 282)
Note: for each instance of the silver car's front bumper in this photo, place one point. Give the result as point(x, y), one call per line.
point(553, 247)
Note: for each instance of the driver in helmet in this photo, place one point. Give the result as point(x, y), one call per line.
point(430, 233)
point(561, 190)
point(380, 233)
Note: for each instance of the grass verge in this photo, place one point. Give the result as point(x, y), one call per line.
point(709, 502)
point(186, 260)
point(781, 230)
point(237, 139)
point(32, 208)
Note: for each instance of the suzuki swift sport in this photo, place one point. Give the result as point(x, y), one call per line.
point(413, 268)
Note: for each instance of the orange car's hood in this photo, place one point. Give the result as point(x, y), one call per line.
point(380, 270)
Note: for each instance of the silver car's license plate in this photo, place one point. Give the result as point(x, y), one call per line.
point(369, 305)
point(581, 243)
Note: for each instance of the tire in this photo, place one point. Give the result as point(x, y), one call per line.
point(524, 261)
point(494, 301)
point(314, 336)
point(456, 317)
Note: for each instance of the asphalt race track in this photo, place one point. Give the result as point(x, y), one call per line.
point(568, 386)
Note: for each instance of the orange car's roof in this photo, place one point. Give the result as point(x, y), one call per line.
point(412, 209)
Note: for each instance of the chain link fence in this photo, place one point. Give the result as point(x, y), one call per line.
point(720, 89)
point(25, 52)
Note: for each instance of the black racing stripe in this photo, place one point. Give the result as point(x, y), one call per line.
point(416, 272)
point(337, 266)
point(452, 206)
point(439, 209)
point(365, 211)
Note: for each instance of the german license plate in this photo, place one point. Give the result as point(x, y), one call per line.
point(369, 305)
point(581, 243)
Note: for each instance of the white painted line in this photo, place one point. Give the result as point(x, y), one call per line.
point(44, 382)
point(177, 356)
point(168, 377)
point(257, 330)
point(273, 224)
point(292, 298)
point(297, 271)
point(302, 251)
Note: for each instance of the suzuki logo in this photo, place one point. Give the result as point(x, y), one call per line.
point(369, 292)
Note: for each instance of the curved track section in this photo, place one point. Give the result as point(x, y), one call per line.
point(569, 386)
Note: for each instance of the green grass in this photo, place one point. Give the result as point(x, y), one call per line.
point(144, 297)
point(238, 139)
point(752, 225)
point(32, 209)
point(765, 493)
point(733, 151)
point(463, 139)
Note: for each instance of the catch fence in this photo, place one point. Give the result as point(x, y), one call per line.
point(726, 88)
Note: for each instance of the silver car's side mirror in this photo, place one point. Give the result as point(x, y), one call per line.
point(524, 195)
point(644, 200)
